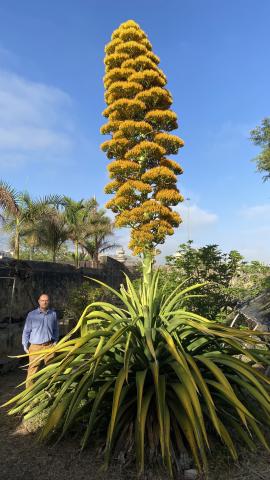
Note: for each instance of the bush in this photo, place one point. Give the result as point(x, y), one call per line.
point(152, 375)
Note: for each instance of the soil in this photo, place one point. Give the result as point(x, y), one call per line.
point(21, 457)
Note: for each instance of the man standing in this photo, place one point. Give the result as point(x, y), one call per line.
point(41, 332)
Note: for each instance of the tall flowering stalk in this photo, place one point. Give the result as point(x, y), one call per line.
point(139, 119)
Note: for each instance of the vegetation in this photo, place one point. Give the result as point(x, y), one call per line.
point(152, 373)
point(228, 279)
point(148, 372)
point(139, 119)
point(260, 136)
point(44, 227)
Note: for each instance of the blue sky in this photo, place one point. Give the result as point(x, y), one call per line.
point(215, 56)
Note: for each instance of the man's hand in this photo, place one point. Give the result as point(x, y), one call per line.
point(26, 350)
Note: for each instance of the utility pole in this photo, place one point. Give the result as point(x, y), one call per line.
point(188, 218)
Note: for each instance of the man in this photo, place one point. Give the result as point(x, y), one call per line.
point(41, 332)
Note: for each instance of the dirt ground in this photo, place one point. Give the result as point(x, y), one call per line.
point(22, 458)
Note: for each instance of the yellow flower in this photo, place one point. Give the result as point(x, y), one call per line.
point(117, 75)
point(171, 143)
point(110, 47)
point(174, 166)
point(162, 119)
point(111, 187)
point(155, 97)
point(133, 185)
point(124, 109)
point(120, 90)
point(169, 196)
point(109, 127)
point(131, 33)
point(153, 57)
point(131, 129)
point(148, 78)
point(132, 49)
point(123, 167)
point(115, 60)
point(140, 63)
point(159, 175)
point(145, 151)
point(115, 148)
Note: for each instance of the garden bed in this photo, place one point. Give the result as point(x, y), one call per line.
point(21, 457)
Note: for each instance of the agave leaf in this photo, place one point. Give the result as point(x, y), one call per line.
point(187, 429)
point(159, 403)
point(168, 306)
point(167, 440)
point(116, 396)
point(55, 417)
point(191, 387)
point(140, 428)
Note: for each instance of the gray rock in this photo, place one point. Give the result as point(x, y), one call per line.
point(191, 474)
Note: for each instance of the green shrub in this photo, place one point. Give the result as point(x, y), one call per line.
point(154, 373)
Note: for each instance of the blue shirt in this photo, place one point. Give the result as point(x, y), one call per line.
point(40, 327)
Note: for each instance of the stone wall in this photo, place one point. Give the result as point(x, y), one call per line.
point(28, 279)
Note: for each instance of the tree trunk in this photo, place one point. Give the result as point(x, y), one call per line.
point(77, 253)
point(17, 241)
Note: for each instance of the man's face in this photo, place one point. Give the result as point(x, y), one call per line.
point(43, 302)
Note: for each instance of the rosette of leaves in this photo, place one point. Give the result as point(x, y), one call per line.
point(140, 119)
point(154, 378)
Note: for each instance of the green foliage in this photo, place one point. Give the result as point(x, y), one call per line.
point(260, 136)
point(154, 377)
point(210, 266)
point(80, 297)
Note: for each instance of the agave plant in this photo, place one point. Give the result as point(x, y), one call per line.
point(154, 373)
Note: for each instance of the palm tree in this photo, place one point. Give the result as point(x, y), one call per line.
point(52, 231)
point(98, 235)
point(77, 217)
point(22, 215)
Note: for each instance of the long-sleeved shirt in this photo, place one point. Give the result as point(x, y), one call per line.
point(40, 327)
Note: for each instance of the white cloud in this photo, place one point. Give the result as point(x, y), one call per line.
point(34, 117)
point(257, 212)
point(196, 216)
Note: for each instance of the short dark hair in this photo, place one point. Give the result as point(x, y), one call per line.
point(44, 293)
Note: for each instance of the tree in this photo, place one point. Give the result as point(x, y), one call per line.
point(22, 215)
point(139, 119)
point(52, 231)
point(98, 236)
point(208, 265)
point(260, 136)
point(77, 216)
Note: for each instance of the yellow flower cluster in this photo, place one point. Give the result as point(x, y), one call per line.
point(171, 143)
point(148, 78)
point(131, 129)
point(140, 63)
point(117, 75)
point(129, 34)
point(119, 90)
point(145, 151)
point(115, 60)
point(109, 127)
point(133, 49)
point(155, 97)
point(123, 167)
point(159, 175)
point(111, 187)
point(110, 47)
point(132, 185)
point(169, 196)
point(172, 165)
point(139, 115)
point(162, 119)
point(124, 109)
point(115, 148)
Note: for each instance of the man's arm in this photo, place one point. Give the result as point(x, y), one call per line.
point(26, 332)
point(55, 329)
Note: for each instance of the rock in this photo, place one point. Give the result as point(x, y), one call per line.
point(191, 474)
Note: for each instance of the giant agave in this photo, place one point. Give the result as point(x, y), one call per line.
point(152, 367)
